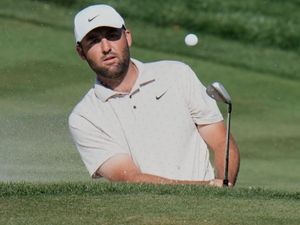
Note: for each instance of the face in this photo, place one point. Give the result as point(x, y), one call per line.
point(106, 50)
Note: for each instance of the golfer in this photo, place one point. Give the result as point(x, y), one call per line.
point(144, 122)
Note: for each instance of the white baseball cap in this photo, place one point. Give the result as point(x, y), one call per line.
point(96, 16)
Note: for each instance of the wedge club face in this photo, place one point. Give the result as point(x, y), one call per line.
point(217, 91)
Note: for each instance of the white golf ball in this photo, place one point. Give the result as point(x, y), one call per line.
point(191, 40)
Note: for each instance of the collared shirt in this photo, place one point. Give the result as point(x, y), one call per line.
point(155, 123)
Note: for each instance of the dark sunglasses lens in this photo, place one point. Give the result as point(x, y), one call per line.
point(114, 35)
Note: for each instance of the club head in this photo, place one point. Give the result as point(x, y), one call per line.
point(217, 91)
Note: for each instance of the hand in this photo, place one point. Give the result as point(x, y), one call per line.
point(217, 183)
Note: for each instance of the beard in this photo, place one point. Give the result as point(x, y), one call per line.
point(115, 72)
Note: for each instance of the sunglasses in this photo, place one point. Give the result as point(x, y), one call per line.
point(109, 33)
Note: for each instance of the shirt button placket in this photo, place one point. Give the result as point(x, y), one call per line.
point(132, 102)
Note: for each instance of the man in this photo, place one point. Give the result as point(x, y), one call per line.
point(144, 122)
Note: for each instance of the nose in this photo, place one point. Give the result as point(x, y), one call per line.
point(106, 47)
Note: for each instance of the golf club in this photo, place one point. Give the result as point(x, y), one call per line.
point(217, 91)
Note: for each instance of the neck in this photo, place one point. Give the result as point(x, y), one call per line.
point(124, 84)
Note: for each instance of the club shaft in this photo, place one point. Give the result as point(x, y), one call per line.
point(226, 181)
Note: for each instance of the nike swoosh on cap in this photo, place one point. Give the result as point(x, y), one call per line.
point(90, 19)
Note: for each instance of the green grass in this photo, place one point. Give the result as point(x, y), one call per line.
point(42, 79)
point(267, 22)
point(91, 203)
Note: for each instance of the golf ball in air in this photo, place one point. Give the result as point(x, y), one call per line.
point(191, 40)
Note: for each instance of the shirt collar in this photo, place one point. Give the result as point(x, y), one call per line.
point(104, 93)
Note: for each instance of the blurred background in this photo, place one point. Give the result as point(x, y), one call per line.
point(252, 47)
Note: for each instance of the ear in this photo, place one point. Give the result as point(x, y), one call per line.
point(80, 51)
point(128, 37)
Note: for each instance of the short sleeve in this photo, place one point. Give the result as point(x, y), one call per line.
point(203, 109)
point(94, 144)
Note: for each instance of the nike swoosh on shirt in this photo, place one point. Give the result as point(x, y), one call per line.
point(90, 19)
point(159, 96)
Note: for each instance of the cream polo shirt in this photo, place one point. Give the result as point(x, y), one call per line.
point(155, 123)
